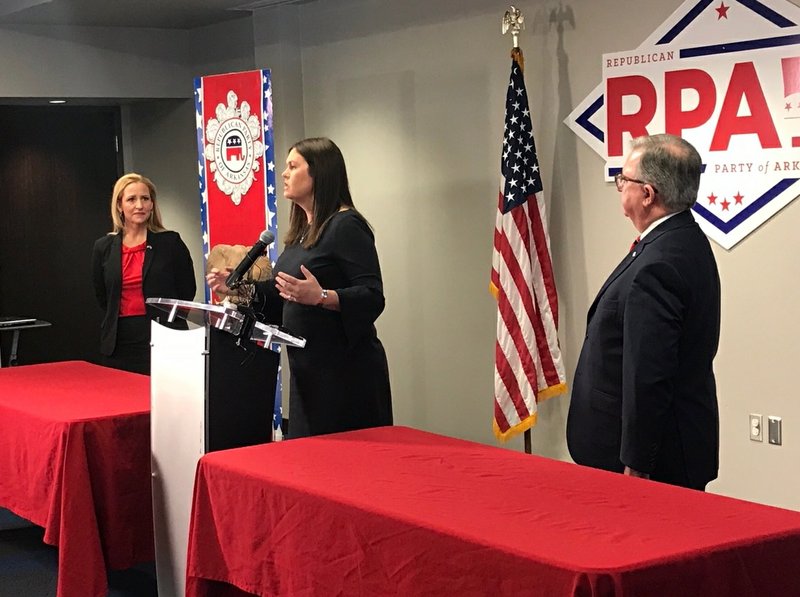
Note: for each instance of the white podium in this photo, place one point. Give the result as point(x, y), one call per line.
point(212, 387)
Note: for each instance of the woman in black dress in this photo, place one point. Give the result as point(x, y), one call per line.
point(327, 288)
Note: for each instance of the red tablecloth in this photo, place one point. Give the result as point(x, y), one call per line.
point(75, 459)
point(395, 511)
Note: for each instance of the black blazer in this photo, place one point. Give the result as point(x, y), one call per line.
point(168, 273)
point(644, 393)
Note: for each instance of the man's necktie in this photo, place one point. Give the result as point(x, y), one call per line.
point(633, 244)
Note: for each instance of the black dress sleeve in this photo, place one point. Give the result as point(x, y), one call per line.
point(361, 301)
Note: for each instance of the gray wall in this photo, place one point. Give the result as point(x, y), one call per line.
point(413, 92)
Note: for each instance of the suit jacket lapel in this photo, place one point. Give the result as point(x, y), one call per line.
point(148, 253)
point(677, 221)
point(614, 275)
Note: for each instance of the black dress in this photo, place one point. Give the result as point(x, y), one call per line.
point(340, 380)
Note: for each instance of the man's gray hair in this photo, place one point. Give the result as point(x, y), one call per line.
point(672, 166)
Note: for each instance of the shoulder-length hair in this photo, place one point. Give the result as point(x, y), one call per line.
point(118, 219)
point(331, 190)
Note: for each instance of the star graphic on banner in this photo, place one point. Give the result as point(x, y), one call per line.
point(271, 166)
point(270, 190)
point(722, 11)
point(738, 198)
point(712, 199)
point(725, 204)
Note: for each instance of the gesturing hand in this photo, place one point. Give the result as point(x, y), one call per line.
point(305, 291)
point(216, 280)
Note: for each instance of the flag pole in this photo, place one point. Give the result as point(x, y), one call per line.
point(514, 21)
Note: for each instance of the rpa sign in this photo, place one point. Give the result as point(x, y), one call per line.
point(727, 78)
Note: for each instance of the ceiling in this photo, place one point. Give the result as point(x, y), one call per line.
point(166, 14)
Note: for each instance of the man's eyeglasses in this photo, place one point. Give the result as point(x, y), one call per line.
point(621, 179)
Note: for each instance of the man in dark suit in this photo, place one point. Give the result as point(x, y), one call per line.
point(644, 397)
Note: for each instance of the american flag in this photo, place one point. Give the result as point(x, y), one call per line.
point(528, 364)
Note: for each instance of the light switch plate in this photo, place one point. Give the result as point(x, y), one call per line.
point(774, 429)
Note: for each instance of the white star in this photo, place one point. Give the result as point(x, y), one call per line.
point(536, 167)
point(512, 182)
point(518, 154)
point(515, 168)
point(525, 112)
point(528, 147)
point(271, 166)
point(270, 189)
point(513, 120)
point(516, 105)
point(519, 91)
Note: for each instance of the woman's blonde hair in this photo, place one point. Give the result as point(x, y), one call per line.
point(153, 222)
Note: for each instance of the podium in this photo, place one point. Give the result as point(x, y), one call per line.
point(212, 387)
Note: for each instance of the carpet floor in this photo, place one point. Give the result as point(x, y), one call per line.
point(29, 568)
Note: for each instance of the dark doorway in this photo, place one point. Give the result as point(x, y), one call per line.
point(58, 166)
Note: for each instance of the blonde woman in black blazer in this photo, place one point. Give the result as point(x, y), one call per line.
point(137, 260)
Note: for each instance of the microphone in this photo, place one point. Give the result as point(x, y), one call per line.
point(235, 279)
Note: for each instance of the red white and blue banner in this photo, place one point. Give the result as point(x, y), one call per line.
point(236, 158)
point(236, 165)
point(725, 75)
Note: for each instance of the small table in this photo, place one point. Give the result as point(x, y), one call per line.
point(75, 460)
point(12, 357)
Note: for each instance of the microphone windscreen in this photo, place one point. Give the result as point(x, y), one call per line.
point(266, 237)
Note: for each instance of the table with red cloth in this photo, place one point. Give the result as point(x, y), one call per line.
point(75, 459)
point(396, 511)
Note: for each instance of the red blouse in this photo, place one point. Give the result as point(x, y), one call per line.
point(132, 299)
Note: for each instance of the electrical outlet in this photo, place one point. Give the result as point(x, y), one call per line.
point(756, 428)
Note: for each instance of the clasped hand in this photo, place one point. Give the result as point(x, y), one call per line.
point(305, 291)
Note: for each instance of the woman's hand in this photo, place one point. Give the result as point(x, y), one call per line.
point(215, 279)
point(306, 291)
